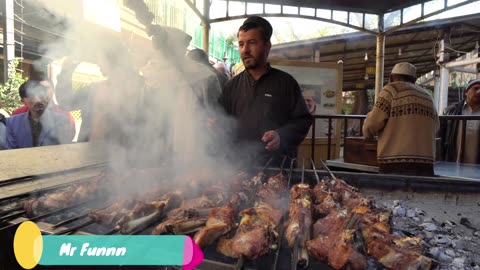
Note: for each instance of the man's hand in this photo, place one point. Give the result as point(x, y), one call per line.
point(272, 139)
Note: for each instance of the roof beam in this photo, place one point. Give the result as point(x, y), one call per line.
point(388, 48)
point(195, 9)
point(423, 17)
point(283, 15)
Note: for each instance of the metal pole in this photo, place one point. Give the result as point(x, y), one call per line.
point(206, 27)
point(313, 138)
point(444, 78)
point(444, 57)
point(462, 63)
point(8, 36)
point(380, 57)
point(345, 125)
point(329, 137)
point(436, 92)
point(465, 70)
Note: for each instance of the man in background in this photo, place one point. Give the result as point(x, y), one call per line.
point(41, 125)
point(309, 96)
point(223, 69)
point(22, 92)
point(454, 149)
point(405, 121)
point(199, 56)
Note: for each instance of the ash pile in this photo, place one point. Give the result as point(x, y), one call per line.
point(453, 245)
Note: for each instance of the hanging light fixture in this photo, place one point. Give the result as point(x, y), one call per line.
point(366, 77)
point(366, 56)
point(399, 51)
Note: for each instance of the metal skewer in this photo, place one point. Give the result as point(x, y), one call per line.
point(290, 171)
point(74, 228)
point(49, 213)
point(5, 212)
point(70, 220)
point(13, 215)
point(318, 179)
point(296, 243)
point(315, 172)
point(282, 229)
point(303, 170)
point(328, 170)
point(266, 165)
point(113, 231)
point(77, 217)
point(240, 262)
point(283, 164)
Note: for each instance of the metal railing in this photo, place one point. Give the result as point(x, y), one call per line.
point(444, 119)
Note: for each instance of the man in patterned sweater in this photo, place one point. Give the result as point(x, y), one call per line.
point(405, 121)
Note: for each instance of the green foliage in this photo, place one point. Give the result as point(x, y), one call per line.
point(9, 97)
point(348, 100)
point(230, 40)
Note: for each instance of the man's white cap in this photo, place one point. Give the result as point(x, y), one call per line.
point(471, 83)
point(405, 68)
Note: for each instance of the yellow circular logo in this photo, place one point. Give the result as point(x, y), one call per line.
point(28, 245)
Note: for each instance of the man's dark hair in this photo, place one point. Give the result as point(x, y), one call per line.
point(198, 55)
point(34, 87)
point(22, 90)
point(257, 22)
point(37, 76)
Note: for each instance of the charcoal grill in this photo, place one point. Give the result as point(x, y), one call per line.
point(453, 196)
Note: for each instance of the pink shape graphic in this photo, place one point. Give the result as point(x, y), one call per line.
point(192, 255)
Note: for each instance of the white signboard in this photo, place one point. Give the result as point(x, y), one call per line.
point(321, 89)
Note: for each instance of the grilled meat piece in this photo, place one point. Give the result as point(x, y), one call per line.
point(185, 213)
point(62, 198)
point(218, 195)
point(326, 206)
point(113, 213)
point(274, 191)
point(299, 219)
point(255, 235)
point(182, 226)
point(394, 252)
point(199, 202)
point(354, 213)
point(320, 191)
point(220, 221)
point(336, 250)
point(356, 201)
point(273, 188)
point(182, 219)
point(334, 223)
point(144, 213)
point(299, 212)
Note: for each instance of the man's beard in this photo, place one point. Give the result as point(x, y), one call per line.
point(252, 64)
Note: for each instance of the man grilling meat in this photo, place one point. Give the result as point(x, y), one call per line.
point(271, 115)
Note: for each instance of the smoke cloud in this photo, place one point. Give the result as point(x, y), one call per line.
point(161, 119)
